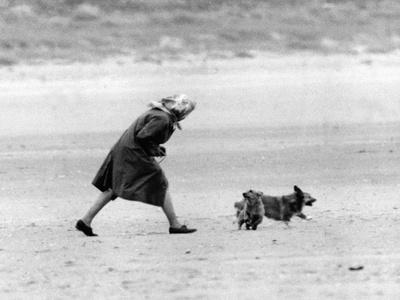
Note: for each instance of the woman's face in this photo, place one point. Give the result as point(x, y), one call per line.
point(181, 108)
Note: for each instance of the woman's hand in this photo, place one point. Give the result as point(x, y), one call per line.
point(161, 151)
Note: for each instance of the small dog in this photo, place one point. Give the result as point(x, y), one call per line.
point(282, 208)
point(252, 211)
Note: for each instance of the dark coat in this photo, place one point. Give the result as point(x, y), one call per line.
point(130, 169)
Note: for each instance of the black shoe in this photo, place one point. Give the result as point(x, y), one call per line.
point(182, 229)
point(81, 226)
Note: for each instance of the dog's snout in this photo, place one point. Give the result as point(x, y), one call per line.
point(310, 201)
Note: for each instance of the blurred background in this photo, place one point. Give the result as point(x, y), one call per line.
point(157, 30)
point(92, 65)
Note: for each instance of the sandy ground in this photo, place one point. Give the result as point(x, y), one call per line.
point(351, 169)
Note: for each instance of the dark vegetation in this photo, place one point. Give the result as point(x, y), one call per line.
point(156, 30)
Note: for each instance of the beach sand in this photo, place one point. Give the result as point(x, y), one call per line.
point(257, 126)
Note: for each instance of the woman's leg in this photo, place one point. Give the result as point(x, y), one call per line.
point(174, 225)
point(100, 202)
point(169, 211)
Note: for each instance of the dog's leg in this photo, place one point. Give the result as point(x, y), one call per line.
point(246, 217)
point(303, 216)
point(237, 213)
point(281, 208)
point(257, 221)
point(240, 223)
point(286, 222)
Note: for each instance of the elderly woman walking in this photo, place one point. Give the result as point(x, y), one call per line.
point(130, 170)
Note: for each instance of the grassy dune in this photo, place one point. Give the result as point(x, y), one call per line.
point(153, 30)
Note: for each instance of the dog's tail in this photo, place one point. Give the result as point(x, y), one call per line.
point(239, 205)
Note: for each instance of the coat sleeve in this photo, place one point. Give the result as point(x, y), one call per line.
point(152, 134)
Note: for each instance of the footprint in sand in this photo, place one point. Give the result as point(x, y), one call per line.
point(201, 258)
point(69, 263)
point(127, 284)
point(64, 286)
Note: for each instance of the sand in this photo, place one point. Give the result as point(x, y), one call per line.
point(57, 130)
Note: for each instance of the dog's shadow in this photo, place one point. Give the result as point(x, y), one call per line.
point(266, 225)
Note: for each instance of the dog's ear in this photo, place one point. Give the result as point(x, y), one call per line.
point(246, 193)
point(299, 197)
point(298, 190)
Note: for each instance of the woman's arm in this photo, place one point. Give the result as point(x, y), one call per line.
point(150, 135)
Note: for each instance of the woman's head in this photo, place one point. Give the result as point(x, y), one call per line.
point(180, 105)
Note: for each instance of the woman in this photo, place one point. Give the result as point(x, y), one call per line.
point(130, 170)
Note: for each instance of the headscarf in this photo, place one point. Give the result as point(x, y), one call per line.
point(180, 106)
